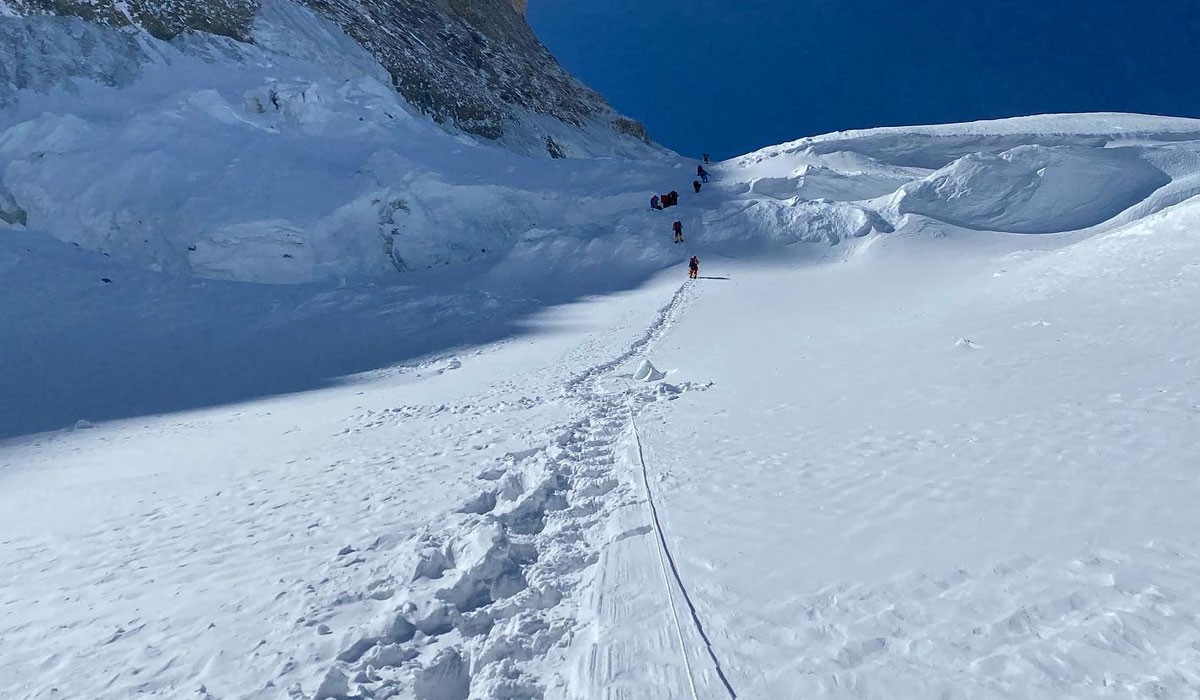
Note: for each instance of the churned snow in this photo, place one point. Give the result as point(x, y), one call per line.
point(295, 405)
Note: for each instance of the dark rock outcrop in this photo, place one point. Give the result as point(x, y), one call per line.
point(164, 19)
point(469, 64)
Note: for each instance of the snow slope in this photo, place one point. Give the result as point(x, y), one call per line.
point(289, 160)
point(949, 465)
point(889, 445)
point(969, 476)
point(242, 551)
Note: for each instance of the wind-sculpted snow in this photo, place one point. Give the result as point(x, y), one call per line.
point(1047, 174)
point(933, 147)
point(1034, 189)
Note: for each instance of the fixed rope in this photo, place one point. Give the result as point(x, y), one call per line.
point(671, 571)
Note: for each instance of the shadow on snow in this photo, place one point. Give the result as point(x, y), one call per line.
point(75, 347)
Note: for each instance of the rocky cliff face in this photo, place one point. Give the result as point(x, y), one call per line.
point(472, 65)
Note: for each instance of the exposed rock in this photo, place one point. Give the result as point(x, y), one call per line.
point(629, 127)
point(164, 19)
point(10, 211)
point(554, 149)
point(472, 64)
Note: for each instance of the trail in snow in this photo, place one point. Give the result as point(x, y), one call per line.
point(341, 538)
point(494, 593)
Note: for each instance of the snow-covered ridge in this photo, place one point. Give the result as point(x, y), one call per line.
point(1040, 128)
point(1044, 174)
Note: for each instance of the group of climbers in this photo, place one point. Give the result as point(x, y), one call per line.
point(660, 202)
point(671, 199)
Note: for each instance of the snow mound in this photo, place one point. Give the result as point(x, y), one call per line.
point(646, 372)
point(1034, 189)
point(769, 222)
point(1031, 175)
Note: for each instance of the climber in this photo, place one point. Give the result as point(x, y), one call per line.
point(655, 203)
point(702, 173)
point(678, 228)
point(696, 186)
point(674, 198)
point(693, 268)
point(706, 159)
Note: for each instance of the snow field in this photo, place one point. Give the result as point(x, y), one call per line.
point(348, 563)
point(352, 423)
point(937, 465)
point(877, 509)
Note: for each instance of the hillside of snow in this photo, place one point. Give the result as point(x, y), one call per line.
point(303, 396)
point(475, 68)
point(285, 161)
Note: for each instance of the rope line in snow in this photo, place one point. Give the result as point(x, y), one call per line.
point(667, 560)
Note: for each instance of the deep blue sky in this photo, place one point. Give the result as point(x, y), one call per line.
point(730, 76)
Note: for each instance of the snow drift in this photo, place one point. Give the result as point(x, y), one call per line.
point(1034, 189)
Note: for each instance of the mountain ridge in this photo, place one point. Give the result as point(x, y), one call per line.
point(473, 67)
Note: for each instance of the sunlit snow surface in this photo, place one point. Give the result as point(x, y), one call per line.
point(925, 427)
